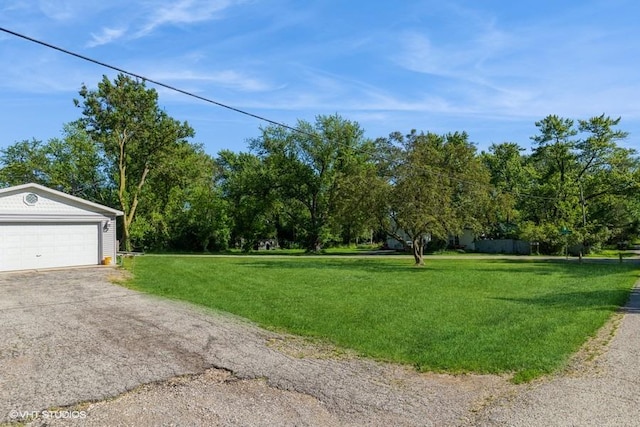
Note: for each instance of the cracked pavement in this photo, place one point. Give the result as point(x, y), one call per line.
point(70, 336)
point(71, 339)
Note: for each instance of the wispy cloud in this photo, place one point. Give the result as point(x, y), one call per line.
point(540, 65)
point(59, 11)
point(184, 12)
point(106, 36)
point(135, 21)
point(26, 76)
point(330, 93)
point(226, 78)
point(462, 60)
point(454, 65)
point(12, 5)
point(70, 10)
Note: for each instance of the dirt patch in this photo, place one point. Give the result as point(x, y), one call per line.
point(588, 360)
point(301, 348)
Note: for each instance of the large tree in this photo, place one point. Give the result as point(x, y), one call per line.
point(511, 179)
point(359, 201)
point(134, 134)
point(248, 187)
point(182, 208)
point(308, 166)
point(439, 186)
point(583, 178)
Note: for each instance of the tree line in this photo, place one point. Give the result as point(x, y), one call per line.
point(324, 183)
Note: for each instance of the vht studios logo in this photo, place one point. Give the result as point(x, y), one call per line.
point(18, 414)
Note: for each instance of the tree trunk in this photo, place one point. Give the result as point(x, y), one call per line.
point(313, 242)
point(129, 211)
point(122, 185)
point(126, 238)
point(417, 251)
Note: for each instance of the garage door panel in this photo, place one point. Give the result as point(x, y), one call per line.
point(33, 246)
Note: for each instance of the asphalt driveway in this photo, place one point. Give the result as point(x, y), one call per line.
point(74, 341)
point(72, 336)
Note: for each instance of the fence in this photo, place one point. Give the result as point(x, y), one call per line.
point(503, 246)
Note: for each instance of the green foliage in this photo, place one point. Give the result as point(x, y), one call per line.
point(197, 217)
point(310, 171)
point(72, 164)
point(551, 240)
point(461, 315)
point(576, 177)
point(438, 186)
point(248, 188)
point(183, 205)
point(76, 166)
point(328, 185)
point(23, 162)
point(511, 178)
point(135, 135)
point(359, 201)
point(127, 152)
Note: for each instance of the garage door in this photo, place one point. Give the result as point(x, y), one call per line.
point(33, 246)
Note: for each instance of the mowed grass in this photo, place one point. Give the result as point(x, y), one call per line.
point(462, 315)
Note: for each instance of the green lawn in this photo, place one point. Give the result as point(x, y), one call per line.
point(461, 315)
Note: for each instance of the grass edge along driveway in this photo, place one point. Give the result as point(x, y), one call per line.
point(462, 315)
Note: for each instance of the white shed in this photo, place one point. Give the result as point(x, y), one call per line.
point(44, 228)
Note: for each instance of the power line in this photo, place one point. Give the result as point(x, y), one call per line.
point(157, 83)
point(237, 110)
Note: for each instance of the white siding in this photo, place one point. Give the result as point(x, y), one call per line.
point(56, 230)
point(15, 204)
point(109, 240)
point(34, 246)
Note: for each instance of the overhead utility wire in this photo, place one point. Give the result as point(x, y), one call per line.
point(164, 85)
point(202, 98)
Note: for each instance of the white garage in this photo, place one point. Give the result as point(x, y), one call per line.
point(44, 228)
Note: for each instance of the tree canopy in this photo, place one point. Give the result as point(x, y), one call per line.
point(310, 168)
point(324, 183)
point(438, 187)
point(124, 119)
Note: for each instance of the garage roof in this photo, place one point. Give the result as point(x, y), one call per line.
point(96, 207)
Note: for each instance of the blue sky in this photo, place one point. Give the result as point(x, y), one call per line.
point(490, 68)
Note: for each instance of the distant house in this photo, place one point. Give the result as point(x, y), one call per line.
point(44, 228)
point(393, 243)
point(465, 241)
point(266, 244)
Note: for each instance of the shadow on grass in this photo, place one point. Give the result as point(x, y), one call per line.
point(539, 267)
point(567, 267)
point(369, 268)
point(609, 300)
